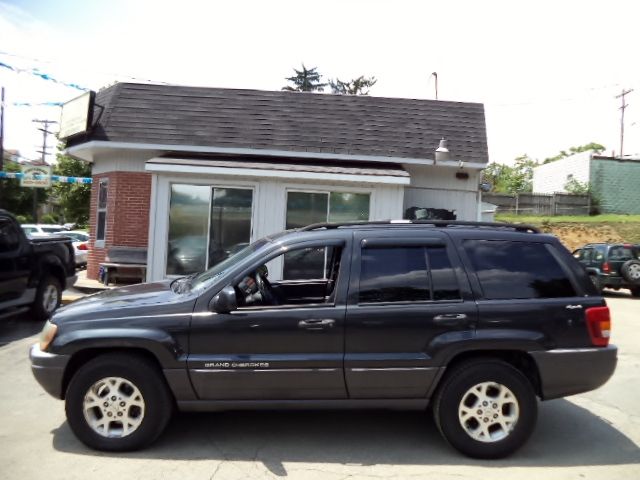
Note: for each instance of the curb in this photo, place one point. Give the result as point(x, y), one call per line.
point(67, 299)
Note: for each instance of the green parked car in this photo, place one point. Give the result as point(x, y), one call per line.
point(612, 265)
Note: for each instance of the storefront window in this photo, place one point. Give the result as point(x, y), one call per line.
point(188, 222)
point(230, 226)
point(304, 208)
point(206, 225)
point(347, 207)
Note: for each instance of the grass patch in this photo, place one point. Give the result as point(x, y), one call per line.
point(539, 219)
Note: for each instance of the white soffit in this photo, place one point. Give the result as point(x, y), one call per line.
point(185, 168)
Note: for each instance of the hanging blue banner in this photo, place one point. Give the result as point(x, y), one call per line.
point(54, 178)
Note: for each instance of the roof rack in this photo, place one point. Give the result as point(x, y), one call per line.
point(518, 227)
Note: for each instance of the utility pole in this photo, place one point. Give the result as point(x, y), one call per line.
point(435, 75)
point(45, 132)
point(622, 108)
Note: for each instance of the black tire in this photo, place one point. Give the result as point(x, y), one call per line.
point(635, 291)
point(44, 305)
point(138, 371)
point(630, 271)
point(456, 387)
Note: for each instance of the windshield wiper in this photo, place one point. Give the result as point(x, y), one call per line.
point(183, 284)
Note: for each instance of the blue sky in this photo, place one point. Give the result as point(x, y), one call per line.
point(547, 71)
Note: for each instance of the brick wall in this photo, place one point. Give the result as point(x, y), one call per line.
point(128, 200)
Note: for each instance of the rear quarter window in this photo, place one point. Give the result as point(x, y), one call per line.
point(517, 270)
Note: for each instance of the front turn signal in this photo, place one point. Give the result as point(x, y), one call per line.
point(47, 335)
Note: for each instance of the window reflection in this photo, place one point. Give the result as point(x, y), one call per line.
point(517, 270)
point(230, 228)
point(188, 221)
point(305, 208)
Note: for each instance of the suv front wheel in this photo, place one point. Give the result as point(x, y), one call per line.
point(118, 402)
point(486, 408)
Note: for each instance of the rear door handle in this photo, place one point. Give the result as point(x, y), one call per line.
point(450, 318)
point(316, 323)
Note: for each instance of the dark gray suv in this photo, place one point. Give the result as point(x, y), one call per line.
point(477, 320)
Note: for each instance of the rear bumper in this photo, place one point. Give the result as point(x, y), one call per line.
point(48, 368)
point(566, 372)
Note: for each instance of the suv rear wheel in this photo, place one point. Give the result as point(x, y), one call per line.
point(630, 271)
point(118, 402)
point(486, 408)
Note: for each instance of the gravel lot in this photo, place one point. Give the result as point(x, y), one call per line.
point(595, 435)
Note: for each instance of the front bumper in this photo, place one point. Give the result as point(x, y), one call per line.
point(48, 368)
point(566, 372)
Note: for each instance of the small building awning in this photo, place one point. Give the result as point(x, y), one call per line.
point(360, 172)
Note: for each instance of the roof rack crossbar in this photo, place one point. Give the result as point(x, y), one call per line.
point(518, 227)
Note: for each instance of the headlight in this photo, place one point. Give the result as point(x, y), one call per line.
point(48, 333)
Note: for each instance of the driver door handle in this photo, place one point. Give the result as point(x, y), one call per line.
point(316, 323)
point(450, 318)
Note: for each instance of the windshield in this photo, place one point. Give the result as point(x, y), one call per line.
point(202, 280)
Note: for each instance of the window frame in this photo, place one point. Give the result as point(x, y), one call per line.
point(100, 242)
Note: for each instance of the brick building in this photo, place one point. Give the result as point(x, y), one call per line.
point(193, 173)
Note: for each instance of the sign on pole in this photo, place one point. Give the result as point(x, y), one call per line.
point(36, 176)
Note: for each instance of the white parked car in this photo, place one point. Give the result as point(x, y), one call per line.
point(40, 229)
point(80, 244)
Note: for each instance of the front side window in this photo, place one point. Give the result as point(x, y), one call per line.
point(517, 270)
point(258, 289)
point(101, 221)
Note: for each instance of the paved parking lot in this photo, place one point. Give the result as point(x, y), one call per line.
point(595, 435)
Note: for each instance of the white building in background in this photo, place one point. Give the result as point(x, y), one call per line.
point(191, 173)
point(553, 177)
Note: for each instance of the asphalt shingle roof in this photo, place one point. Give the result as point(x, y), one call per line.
point(287, 121)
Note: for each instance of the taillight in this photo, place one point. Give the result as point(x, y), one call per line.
point(606, 268)
point(83, 246)
point(599, 325)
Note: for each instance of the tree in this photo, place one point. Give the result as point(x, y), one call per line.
point(74, 198)
point(588, 147)
point(305, 80)
point(19, 200)
point(357, 86)
point(511, 179)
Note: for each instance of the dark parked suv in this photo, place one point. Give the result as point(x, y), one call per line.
point(612, 265)
point(476, 320)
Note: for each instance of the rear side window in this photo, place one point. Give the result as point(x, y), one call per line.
point(510, 270)
point(407, 274)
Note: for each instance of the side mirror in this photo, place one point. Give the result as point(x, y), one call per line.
point(225, 301)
